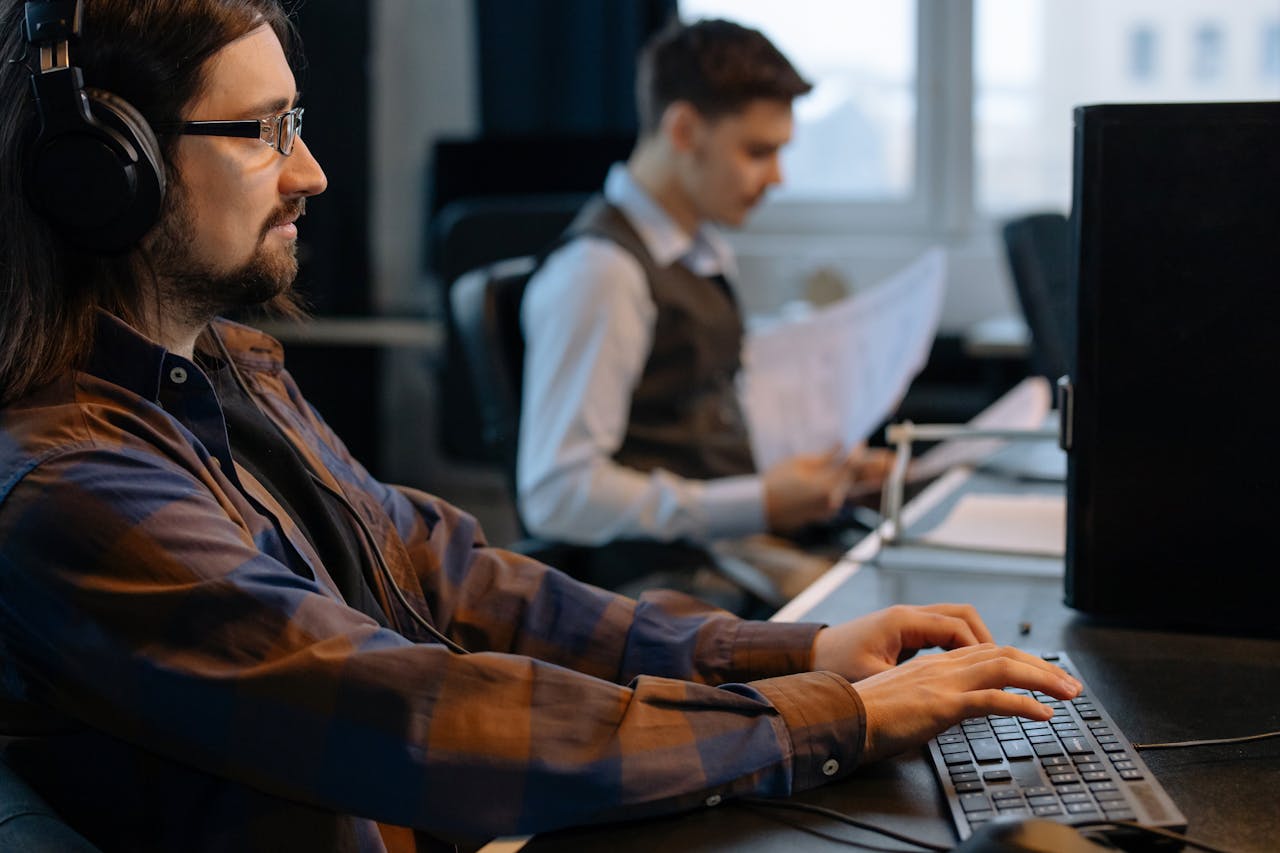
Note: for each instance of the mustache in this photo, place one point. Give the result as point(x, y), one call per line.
point(295, 209)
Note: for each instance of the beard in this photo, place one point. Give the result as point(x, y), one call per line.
point(196, 292)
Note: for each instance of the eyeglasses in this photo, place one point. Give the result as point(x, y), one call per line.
point(278, 131)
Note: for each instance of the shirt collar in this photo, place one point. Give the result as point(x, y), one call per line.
point(706, 252)
point(124, 356)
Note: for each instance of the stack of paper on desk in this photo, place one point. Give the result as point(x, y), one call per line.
point(828, 379)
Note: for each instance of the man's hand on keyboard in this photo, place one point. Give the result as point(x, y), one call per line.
point(876, 642)
point(909, 704)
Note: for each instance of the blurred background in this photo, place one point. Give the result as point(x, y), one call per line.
point(457, 132)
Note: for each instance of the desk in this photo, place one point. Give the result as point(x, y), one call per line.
point(1158, 685)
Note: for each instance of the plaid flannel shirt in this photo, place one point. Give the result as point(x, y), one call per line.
point(181, 673)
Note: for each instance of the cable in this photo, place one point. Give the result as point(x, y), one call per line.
point(1214, 742)
point(1152, 830)
point(832, 814)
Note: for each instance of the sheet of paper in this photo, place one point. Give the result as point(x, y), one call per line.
point(1022, 524)
point(1025, 406)
point(829, 378)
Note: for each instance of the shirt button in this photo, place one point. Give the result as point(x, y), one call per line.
point(178, 375)
point(830, 767)
point(713, 800)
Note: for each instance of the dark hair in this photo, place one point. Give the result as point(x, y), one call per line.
point(717, 66)
point(152, 53)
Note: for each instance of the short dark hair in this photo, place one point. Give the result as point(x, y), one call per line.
point(717, 66)
point(153, 55)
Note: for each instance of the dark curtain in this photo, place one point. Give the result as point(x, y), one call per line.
point(562, 66)
point(333, 248)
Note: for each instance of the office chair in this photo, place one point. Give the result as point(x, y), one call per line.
point(486, 313)
point(1038, 250)
point(29, 825)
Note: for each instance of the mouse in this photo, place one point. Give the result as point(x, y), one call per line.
point(1027, 835)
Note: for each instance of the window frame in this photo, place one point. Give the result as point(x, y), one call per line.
point(941, 198)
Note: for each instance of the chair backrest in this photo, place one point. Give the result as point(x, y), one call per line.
point(486, 314)
point(1038, 249)
point(29, 825)
point(467, 234)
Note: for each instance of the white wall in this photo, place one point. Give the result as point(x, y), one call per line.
point(424, 86)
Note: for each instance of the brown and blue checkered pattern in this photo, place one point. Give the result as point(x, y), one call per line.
point(186, 676)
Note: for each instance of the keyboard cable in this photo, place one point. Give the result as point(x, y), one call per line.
point(1179, 744)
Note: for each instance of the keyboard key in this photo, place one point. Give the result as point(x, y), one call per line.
point(953, 748)
point(969, 776)
point(1016, 749)
point(943, 740)
point(1095, 776)
point(968, 787)
point(958, 758)
point(1038, 791)
point(1113, 747)
point(986, 750)
point(1064, 778)
point(1006, 794)
point(1102, 787)
point(1016, 734)
point(1046, 811)
point(1072, 788)
point(979, 818)
point(997, 776)
point(1077, 798)
point(1056, 761)
point(1013, 811)
point(1081, 808)
point(1111, 796)
point(966, 767)
point(1120, 814)
point(1047, 749)
point(1036, 802)
point(1077, 746)
point(975, 802)
point(1089, 766)
point(1131, 775)
point(1125, 765)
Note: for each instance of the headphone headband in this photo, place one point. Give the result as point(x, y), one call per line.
point(94, 170)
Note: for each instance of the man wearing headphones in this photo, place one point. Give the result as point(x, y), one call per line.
point(217, 631)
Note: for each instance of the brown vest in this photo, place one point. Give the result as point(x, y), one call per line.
point(685, 415)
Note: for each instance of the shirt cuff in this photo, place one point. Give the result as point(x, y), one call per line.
point(733, 506)
point(827, 723)
point(769, 649)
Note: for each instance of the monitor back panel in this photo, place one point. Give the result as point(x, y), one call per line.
point(1174, 466)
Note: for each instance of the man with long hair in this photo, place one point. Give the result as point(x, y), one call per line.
point(217, 631)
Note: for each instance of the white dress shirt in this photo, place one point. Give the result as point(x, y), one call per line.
point(588, 320)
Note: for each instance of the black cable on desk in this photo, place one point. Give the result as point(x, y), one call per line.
point(1179, 744)
point(832, 814)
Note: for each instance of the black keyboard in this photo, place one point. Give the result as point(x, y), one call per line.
point(1075, 768)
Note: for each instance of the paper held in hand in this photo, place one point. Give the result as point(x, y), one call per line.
point(829, 378)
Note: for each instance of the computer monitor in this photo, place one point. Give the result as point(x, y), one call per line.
point(1173, 484)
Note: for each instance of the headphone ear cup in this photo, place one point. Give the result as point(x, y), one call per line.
point(100, 182)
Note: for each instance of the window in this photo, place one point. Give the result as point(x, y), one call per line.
point(1142, 53)
point(1271, 51)
point(1207, 53)
point(1034, 60)
point(934, 117)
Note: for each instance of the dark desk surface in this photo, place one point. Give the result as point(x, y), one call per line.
point(1158, 685)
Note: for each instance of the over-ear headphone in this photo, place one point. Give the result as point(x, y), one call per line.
point(94, 169)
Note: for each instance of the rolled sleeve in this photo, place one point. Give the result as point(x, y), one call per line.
point(826, 721)
point(733, 506)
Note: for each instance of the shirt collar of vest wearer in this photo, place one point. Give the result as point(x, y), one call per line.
point(706, 253)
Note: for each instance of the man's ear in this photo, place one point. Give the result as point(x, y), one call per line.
point(683, 125)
